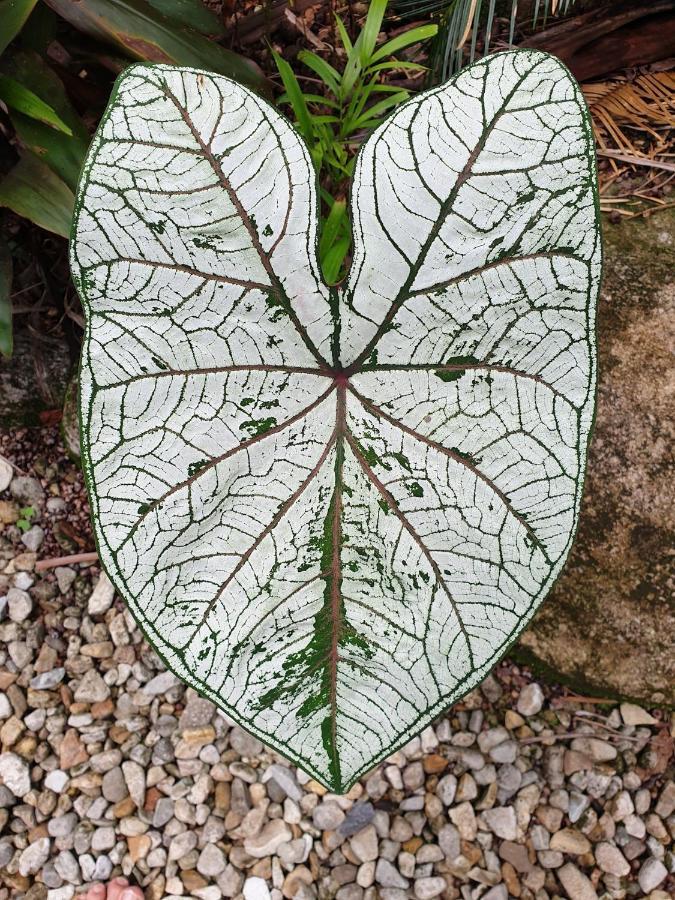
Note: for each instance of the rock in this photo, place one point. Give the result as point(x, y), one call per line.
point(134, 776)
point(285, 778)
point(47, 681)
point(611, 860)
point(67, 866)
point(5, 707)
point(15, 774)
point(101, 597)
point(360, 815)
point(530, 700)
point(27, 491)
point(594, 748)
point(211, 861)
point(160, 684)
point(426, 888)
point(34, 856)
point(182, 844)
point(328, 816)
point(446, 789)
point(33, 538)
point(364, 844)
point(665, 806)
point(464, 819)
point(501, 820)
point(636, 715)
point(608, 625)
point(569, 840)
point(6, 472)
point(266, 843)
point(651, 874)
point(388, 875)
point(20, 605)
point(114, 786)
point(256, 889)
point(65, 576)
point(56, 781)
point(576, 884)
point(92, 688)
point(244, 743)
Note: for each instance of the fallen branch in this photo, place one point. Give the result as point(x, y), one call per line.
point(86, 558)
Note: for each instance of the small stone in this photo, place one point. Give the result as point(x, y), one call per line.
point(464, 818)
point(449, 842)
point(285, 778)
point(67, 866)
point(47, 681)
point(434, 764)
point(101, 597)
point(388, 875)
point(6, 473)
point(134, 776)
point(446, 789)
point(516, 855)
point(360, 815)
point(15, 774)
point(651, 874)
point(20, 605)
point(578, 804)
point(498, 892)
point(611, 860)
point(33, 538)
point(569, 840)
point(211, 861)
point(114, 786)
point(256, 889)
point(327, 816)
point(92, 688)
point(501, 820)
point(665, 806)
point(103, 839)
point(364, 844)
point(5, 707)
point(28, 491)
point(576, 884)
point(636, 715)
point(56, 781)
point(426, 888)
point(599, 751)
point(244, 743)
point(139, 846)
point(530, 700)
point(34, 857)
point(182, 844)
point(266, 843)
point(65, 576)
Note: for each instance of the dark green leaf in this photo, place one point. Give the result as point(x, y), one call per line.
point(142, 33)
point(191, 13)
point(13, 14)
point(64, 154)
point(32, 190)
point(23, 100)
point(5, 300)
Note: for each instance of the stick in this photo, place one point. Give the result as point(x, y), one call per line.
point(88, 558)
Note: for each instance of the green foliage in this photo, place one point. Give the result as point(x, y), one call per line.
point(51, 138)
point(462, 22)
point(5, 300)
point(334, 124)
point(26, 513)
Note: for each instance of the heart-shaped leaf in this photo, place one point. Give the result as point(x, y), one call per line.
point(332, 511)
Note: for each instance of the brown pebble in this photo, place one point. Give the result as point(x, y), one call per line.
point(72, 751)
point(434, 764)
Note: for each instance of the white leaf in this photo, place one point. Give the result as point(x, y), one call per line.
point(332, 514)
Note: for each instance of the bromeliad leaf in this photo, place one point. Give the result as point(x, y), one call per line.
point(332, 511)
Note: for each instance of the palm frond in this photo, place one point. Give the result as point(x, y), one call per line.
point(625, 112)
point(463, 22)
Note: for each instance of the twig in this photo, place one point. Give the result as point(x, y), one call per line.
point(636, 160)
point(66, 561)
point(570, 735)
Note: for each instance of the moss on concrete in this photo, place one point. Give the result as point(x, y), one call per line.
point(608, 626)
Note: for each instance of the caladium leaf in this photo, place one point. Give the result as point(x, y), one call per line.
point(332, 511)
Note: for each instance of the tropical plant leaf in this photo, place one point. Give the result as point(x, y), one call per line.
point(6, 270)
point(32, 190)
point(331, 511)
point(140, 31)
point(63, 153)
point(13, 15)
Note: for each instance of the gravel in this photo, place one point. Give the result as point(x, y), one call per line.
point(110, 766)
